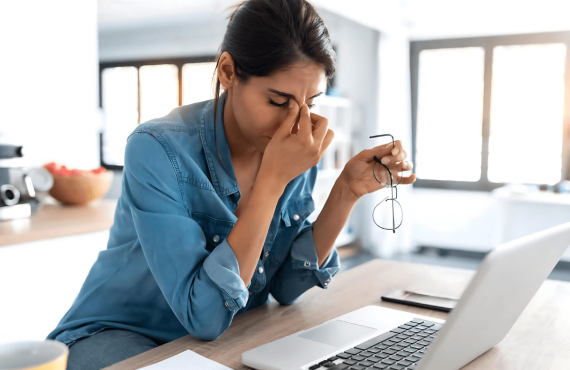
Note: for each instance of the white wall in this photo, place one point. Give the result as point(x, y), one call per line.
point(433, 19)
point(49, 79)
point(161, 41)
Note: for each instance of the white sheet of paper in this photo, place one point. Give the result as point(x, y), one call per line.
point(187, 360)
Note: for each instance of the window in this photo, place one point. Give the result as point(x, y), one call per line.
point(158, 89)
point(490, 110)
point(134, 92)
point(450, 111)
point(527, 106)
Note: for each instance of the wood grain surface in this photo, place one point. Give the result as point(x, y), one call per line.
point(53, 220)
point(539, 340)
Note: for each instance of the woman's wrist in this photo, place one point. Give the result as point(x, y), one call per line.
point(344, 190)
point(269, 180)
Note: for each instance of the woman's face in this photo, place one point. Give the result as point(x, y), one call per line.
point(260, 106)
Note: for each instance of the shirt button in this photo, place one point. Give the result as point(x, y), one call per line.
point(327, 282)
point(266, 254)
point(307, 263)
point(227, 305)
point(296, 217)
point(260, 270)
point(216, 238)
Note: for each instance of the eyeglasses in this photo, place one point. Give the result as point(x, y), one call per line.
point(383, 210)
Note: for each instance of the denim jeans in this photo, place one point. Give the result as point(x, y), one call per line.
point(107, 348)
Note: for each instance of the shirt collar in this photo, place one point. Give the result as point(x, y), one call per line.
point(223, 178)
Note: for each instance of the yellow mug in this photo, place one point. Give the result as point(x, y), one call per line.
point(34, 355)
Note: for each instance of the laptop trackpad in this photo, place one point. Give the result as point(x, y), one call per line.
point(337, 333)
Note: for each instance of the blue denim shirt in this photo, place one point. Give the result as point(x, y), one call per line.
point(168, 270)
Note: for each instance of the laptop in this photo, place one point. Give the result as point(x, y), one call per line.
point(375, 337)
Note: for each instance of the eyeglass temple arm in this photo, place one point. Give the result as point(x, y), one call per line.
point(393, 145)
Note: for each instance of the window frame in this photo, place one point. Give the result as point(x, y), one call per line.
point(488, 43)
point(138, 63)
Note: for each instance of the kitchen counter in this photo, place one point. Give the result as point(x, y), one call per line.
point(54, 220)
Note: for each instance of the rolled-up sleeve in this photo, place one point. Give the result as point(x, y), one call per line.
point(301, 270)
point(222, 267)
point(204, 289)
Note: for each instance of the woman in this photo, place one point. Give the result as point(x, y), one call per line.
point(213, 211)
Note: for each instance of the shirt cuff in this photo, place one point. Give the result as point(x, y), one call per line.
point(304, 256)
point(223, 269)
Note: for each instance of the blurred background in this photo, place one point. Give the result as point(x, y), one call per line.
point(478, 92)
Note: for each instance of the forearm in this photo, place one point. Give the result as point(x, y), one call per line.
point(249, 232)
point(332, 218)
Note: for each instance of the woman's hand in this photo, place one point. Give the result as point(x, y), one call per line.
point(290, 154)
point(359, 178)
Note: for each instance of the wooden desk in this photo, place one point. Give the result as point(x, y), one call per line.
point(54, 220)
point(539, 340)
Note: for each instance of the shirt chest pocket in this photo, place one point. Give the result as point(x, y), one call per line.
point(215, 230)
point(297, 210)
point(293, 215)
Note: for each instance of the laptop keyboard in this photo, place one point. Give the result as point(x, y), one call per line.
point(399, 349)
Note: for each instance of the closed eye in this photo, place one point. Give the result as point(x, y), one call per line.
point(285, 105)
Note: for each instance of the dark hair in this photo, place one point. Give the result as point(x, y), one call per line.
point(267, 36)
